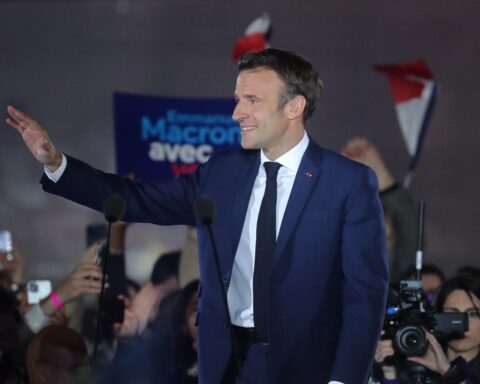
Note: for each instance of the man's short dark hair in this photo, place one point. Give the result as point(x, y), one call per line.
point(298, 74)
point(427, 269)
point(165, 267)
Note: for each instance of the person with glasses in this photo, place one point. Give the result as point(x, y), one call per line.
point(458, 360)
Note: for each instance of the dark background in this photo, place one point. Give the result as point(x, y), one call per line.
point(61, 61)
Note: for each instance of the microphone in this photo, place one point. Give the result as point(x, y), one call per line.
point(114, 208)
point(204, 209)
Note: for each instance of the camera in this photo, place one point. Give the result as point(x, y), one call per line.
point(409, 315)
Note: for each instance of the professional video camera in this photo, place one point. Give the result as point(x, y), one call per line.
point(407, 317)
point(409, 314)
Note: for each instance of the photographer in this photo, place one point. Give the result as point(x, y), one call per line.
point(458, 361)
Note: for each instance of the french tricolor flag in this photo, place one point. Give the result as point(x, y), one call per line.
point(256, 38)
point(414, 94)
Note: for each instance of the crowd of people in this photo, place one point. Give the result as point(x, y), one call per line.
point(153, 339)
point(298, 294)
point(147, 333)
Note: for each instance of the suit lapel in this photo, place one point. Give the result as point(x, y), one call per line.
point(305, 180)
point(242, 190)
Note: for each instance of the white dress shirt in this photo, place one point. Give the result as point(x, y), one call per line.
point(240, 290)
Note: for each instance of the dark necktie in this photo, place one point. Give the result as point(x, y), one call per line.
point(265, 249)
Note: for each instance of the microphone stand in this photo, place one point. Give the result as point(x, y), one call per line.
point(202, 205)
point(105, 253)
point(419, 254)
point(114, 208)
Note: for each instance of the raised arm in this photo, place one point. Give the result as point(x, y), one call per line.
point(36, 138)
point(363, 151)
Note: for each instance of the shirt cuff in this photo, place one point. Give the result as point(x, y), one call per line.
point(335, 382)
point(55, 176)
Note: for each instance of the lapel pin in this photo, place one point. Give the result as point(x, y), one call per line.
point(309, 174)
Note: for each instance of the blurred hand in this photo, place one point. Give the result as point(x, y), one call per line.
point(86, 278)
point(35, 138)
point(145, 304)
point(15, 263)
point(384, 350)
point(363, 151)
point(434, 359)
point(59, 318)
point(90, 254)
point(130, 326)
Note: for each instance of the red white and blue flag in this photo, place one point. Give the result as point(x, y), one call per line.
point(414, 92)
point(256, 37)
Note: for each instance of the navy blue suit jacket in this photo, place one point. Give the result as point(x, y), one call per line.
point(329, 279)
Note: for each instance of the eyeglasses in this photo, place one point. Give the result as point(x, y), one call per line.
point(472, 313)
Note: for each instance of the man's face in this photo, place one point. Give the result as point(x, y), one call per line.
point(430, 283)
point(263, 124)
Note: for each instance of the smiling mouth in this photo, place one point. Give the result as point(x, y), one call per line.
point(247, 128)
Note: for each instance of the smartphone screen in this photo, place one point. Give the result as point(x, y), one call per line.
point(6, 241)
point(38, 290)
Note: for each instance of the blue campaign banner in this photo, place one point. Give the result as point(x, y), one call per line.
point(158, 138)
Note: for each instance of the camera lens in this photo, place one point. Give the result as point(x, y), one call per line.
point(410, 340)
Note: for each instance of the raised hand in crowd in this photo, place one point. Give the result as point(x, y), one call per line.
point(145, 304)
point(362, 150)
point(35, 138)
point(14, 263)
point(143, 308)
point(130, 327)
point(85, 279)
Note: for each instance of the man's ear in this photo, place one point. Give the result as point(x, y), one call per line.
point(295, 107)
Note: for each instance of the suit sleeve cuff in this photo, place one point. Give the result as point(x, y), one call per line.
point(55, 176)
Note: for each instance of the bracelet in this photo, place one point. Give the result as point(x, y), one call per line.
point(55, 299)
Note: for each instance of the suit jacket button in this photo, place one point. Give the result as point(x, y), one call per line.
point(225, 324)
point(226, 282)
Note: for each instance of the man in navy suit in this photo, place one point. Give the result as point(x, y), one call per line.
point(325, 280)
